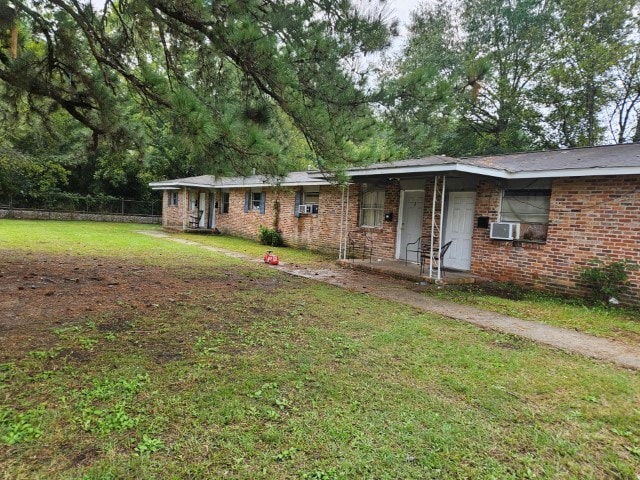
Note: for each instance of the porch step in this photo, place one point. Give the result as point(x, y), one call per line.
point(411, 272)
point(202, 231)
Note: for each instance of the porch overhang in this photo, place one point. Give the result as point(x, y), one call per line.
point(448, 168)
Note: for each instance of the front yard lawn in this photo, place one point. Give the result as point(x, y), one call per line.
point(127, 356)
point(618, 323)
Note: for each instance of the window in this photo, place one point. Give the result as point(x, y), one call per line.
point(254, 201)
point(172, 199)
point(311, 195)
point(525, 206)
point(528, 206)
point(371, 206)
point(224, 202)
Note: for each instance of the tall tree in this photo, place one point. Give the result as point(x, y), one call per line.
point(593, 40)
point(473, 64)
point(210, 76)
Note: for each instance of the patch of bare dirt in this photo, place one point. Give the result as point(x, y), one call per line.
point(39, 293)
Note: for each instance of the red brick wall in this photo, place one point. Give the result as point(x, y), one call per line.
point(173, 216)
point(177, 217)
point(383, 238)
point(595, 217)
point(319, 232)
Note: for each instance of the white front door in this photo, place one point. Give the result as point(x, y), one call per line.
point(410, 221)
point(459, 229)
point(201, 201)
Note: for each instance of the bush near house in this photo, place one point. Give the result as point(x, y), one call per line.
point(607, 281)
point(270, 236)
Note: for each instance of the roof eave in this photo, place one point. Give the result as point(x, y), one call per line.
point(576, 172)
point(177, 185)
point(498, 173)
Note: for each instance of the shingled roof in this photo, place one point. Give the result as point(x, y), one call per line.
point(609, 156)
point(574, 162)
point(605, 160)
point(209, 181)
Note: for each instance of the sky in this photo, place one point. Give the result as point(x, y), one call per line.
point(402, 8)
point(398, 8)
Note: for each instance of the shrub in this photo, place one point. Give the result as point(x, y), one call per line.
point(271, 237)
point(607, 281)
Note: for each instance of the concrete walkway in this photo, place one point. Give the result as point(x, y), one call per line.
point(627, 356)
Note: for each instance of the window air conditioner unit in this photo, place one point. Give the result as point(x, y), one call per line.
point(504, 231)
point(304, 209)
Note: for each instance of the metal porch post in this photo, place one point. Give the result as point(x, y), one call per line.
point(433, 223)
point(444, 181)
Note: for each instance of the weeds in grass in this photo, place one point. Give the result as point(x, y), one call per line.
point(87, 343)
point(149, 445)
point(104, 408)
point(310, 382)
point(285, 455)
point(18, 427)
point(330, 474)
point(45, 354)
point(107, 419)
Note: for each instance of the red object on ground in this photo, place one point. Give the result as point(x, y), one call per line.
point(270, 258)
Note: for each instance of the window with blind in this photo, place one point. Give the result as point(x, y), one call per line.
point(530, 208)
point(371, 206)
point(525, 206)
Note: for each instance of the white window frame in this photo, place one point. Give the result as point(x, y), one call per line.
point(311, 195)
point(255, 200)
point(224, 195)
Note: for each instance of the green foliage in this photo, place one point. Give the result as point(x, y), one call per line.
point(22, 174)
point(104, 408)
point(149, 445)
point(181, 91)
point(496, 76)
point(329, 474)
point(19, 427)
point(270, 236)
point(607, 280)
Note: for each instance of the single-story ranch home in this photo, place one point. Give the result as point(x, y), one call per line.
point(530, 218)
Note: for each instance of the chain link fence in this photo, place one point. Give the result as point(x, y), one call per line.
point(89, 204)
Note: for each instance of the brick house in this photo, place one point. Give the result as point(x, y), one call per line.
point(531, 218)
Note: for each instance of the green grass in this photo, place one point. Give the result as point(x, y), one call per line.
point(254, 249)
point(109, 240)
point(610, 322)
point(295, 379)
